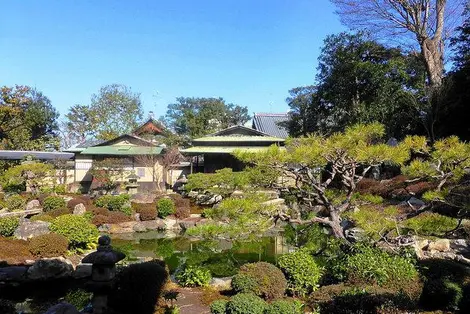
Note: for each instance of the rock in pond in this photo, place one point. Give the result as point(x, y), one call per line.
point(79, 209)
point(157, 224)
point(50, 268)
point(62, 308)
point(13, 273)
point(28, 229)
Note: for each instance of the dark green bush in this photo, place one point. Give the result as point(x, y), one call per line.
point(246, 303)
point(15, 202)
point(77, 229)
point(441, 294)
point(48, 245)
point(138, 287)
point(78, 298)
point(115, 203)
point(8, 226)
point(270, 281)
point(431, 224)
point(301, 270)
point(243, 283)
point(53, 202)
point(193, 276)
point(218, 307)
point(165, 207)
point(284, 307)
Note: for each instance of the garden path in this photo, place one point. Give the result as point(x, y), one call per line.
point(189, 302)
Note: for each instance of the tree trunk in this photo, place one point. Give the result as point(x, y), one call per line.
point(431, 50)
point(335, 225)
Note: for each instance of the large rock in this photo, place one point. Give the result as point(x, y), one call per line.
point(139, 227)
point(355, 234)
point(79, 209)
point(143, 198)
point(13, 273)
point(50, 268)
point(171, 224)
point(414, 202)
point(82, 271)
point(29, 229)
point(62, 308)
point(208, 199)
point(123, 227)
point(158, 224)
point(460, 246)
point(223, 283)
point(33, 204)
point(275, 202)
point(441, 245)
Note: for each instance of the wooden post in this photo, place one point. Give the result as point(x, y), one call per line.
point(191, 163)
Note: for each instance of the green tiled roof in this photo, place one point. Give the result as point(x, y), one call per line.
point(239, 139)
point(220, 149)
point(122, 150)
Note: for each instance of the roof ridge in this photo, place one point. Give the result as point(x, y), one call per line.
point(267, 114)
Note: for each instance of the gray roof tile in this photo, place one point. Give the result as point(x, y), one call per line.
point(269, 123)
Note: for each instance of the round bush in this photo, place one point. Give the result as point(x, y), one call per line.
point(246, 303)
point(59, 212)
point(15, 202)
point(53, 202)
point(301, 270)
point(284, 307)
point(193, 276)
point(8, 226)
point(148, 213)
point(244, 283)
point(270, 281)
point(48, 245)
point(80, 233)
point(218, 307)
point(182, 212)
point(165, 207)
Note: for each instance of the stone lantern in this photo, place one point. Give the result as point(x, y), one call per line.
point(132, 184)
point(103, 271)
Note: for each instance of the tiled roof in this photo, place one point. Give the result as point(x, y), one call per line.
point(122, 150)
point(269, 123)
point(41, 155)
point(197, 150)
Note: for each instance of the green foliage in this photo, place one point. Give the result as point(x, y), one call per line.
point(15, 202)
point(48, 245)
point(246, 303)
point(115, 203)
point(284, 307)
point(441, 294)
point(60, 189)
point(435, 195)
point(77, 229)
point(165, 207)
point(375, 266)
point(429, 223)
point(270, 281)
point(376, 222)
point(8, 226)
point(32, 175)
point(218, 307)
point(78, 298)
point(368, 198)
point(301, 270)
point(223, 181)
point(42, 217)
point(53, 202)
point(244, 283)
point(193, 276)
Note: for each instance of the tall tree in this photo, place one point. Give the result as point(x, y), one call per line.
point(424, 21)
point(113, 111)
point(28, 121)
point(359, 81)
point(195, 117)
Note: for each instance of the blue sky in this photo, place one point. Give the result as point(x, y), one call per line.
point(250, 52)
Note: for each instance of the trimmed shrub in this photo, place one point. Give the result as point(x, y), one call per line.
point(80, 233)
point(148, 213)
point(270, 281)
point(284, 307)
point(103, 201)
point(301, 270)
point(244, 283)
point(60, 189)
point(48, 245)
point(14, 251)
point(138, 287)
point(110, 218)
point(183, 206)
point(193, 276)
point(218, 307)
point(182, 212)
point(15, 202)
point(42, 217)
point(114, 203)
point(165, 207)
point(8, 226)
point(246, 303)
point(53, 202)
point(59, 212)
point(429, 223)
point(375, 266)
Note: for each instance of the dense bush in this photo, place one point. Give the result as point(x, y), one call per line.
point(80, 199)
point(48, 245)
point(183, 206)
point(42, 217)
point(53, 202)
point(182, 212)
point(114, 203)
point(246, 303)
point(60, 189)
point(137, 288)
point(80, 233)
point(374, 221)
point(165, 207)
point(78, 298)
point(8, 226)
point(429, 223)
point(375, 266)
point(270, 281)
point(15, 202)
point(218, 307)
point(193, 276)
point(59, 212)
point(284, 307)
point(244, 283)
point(301, 270)
point(14, 251)
point(146, 211)
point(110, 218)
